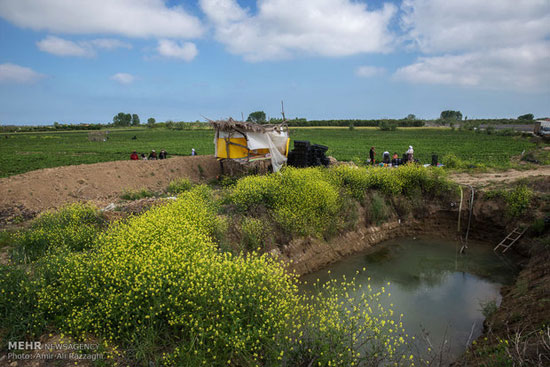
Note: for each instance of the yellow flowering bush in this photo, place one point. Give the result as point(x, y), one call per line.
point(73, 228)
point(302, 201)
point(179, 185)
point(159, 277)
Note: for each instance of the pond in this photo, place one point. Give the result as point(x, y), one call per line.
point(439, 291)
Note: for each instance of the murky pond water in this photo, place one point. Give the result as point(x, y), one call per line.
point(438, 290)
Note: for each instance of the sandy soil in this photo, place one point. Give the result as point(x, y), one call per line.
point(102, 183)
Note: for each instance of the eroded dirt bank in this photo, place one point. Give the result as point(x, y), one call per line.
point(437, 219)
point(36, 191)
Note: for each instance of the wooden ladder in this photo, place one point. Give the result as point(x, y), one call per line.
point(512, 238)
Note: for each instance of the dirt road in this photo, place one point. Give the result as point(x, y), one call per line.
point(485, 179)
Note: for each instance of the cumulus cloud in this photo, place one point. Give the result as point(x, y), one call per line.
point(11, 73)
point(186, 51)
point(367, 71)
point(123, 78)
point(436, 26)
point(484, 44)
point(523, 68)
point(131, 18)
point(282, 28)
point(62, 47)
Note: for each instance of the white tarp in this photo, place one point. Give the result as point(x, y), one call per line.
point(274, 141)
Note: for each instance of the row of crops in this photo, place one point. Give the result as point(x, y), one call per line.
point(24, 152)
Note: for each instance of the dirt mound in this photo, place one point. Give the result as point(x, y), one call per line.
point(100, 182)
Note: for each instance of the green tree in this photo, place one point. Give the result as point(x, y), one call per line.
point(135, 120)
point(451, 115)
point(257, 117)
point(527, 116)
point(151, 122)
point(411, 117)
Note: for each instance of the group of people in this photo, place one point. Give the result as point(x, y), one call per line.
point(152, 156)
point(394, 160)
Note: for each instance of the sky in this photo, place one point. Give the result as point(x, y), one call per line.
point(81, 61)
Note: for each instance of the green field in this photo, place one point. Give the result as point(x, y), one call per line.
point(22, 152)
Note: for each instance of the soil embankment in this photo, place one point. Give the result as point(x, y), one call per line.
point(36, 191)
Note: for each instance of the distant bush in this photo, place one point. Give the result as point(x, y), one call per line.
point(136, 194)
point(179, 185)
point(385, 125)
point(73, 228)
point(452, 161)
point(518, 200)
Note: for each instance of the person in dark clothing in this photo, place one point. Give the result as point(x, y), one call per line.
point(162, 154)
point(152, 155)
point(372, 153)
point(134, 156)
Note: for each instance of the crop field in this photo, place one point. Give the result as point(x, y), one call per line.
point(22, 152)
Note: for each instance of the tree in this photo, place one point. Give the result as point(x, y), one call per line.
point(257, 117)
point(451, 115)
point(135, 120)
point(411, 117)
point(528, 116)
point(151, 122)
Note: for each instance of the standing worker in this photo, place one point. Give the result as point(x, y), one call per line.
point(372, 153)
point(410, 154)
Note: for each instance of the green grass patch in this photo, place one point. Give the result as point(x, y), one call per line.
point(131, 194)
point(23, 152)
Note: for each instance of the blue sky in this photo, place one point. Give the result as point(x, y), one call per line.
point(85, 61)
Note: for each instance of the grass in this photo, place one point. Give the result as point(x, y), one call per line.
point(137, 194)
point(23, 152)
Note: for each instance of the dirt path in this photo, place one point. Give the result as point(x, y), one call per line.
point(485, 179)
point(100, 182)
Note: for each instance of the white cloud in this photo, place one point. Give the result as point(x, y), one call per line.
point(11, 73)
point(132, 18)
point(109, 43)
point(62, 47)
point(490, 44)
point(523, 68)
point(179, 50)
point(283, 28)
point(367, 71)
point(467, 25)
point(123, 78)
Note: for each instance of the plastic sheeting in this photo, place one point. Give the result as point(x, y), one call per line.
point(274, 141)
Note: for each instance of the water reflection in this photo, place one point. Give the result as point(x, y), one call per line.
point(437, 289)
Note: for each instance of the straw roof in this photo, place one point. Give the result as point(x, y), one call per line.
point(245, 126)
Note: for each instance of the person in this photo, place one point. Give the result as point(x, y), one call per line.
point(153, 155)
point(395, 159)
point(193, 151)
point(162, 154)
point(410, 154)
point(372, 153)
point(134, 156)
point(143, 156)
point(386, 157)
